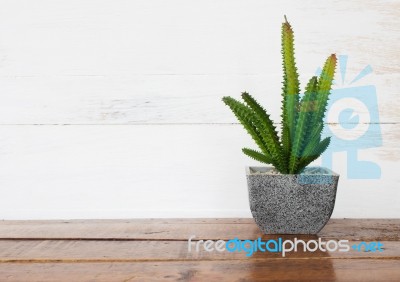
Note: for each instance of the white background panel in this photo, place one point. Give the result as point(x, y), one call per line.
point(113, 108)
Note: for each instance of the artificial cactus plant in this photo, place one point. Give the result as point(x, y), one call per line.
point(300, 142)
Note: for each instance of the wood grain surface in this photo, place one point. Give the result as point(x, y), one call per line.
point(182, 229)
point(157, 250)
point(265, 270)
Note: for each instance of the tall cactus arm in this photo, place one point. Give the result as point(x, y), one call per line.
point(312, 140)
point(322, 146)
point(324, 87)
point(306, 108)
point(268, 131)
point(318, 150)
point(291, 88)
point(246, 118)
point(285, 135)
point(258, 156)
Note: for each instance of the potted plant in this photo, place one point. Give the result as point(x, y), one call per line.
point(289, 197)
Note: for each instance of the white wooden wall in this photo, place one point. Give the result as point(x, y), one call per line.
point(112, 108)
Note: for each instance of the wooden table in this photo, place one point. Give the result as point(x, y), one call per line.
point(157, 249)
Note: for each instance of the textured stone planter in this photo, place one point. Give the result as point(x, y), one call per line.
point(291, 203)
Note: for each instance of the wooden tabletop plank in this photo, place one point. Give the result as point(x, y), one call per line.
point(157, 249)
point(173, 221)
point(268, 270)
point(130, 251)
point(182, 229)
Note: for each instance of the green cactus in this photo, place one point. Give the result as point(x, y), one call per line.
point(302, 119)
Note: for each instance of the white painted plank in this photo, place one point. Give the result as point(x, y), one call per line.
point(159, 171)
point(116, 37)
point(144, 62)
point(161, 99)
point(111, 62)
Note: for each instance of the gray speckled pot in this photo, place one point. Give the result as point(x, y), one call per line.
point(291, 203)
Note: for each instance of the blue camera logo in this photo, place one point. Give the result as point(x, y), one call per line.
point(353, 122)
